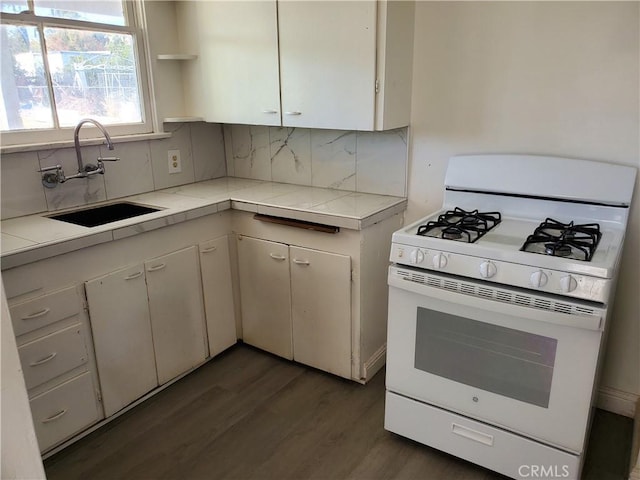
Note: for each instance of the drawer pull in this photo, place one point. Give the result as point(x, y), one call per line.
point(270, 111)
point(277, 257)
point(301, 262)
point(471, 434)
point(293, 113)
point(46, 359)
point(156, 267)
point(55, 417)
point(31, 316)
point(133, 275)
point(209, 250)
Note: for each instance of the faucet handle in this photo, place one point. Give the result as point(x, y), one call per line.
point(49, 169)
point(52, 176)
point(108, 159)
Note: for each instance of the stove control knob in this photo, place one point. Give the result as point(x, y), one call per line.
point(439, 260)
point(416, 257)
point(488, 269)
point(568, 284)
point(539, 279)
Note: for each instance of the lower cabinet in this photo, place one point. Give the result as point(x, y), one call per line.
point(148, 325)
point(54, 346)
point(296, 303)
point(265, 295)
point(122, 336)
point(217, 287)
point(177, 314)
point(321, 309)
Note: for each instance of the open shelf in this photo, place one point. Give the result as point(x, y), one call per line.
point(176, 56)
point(182, 119)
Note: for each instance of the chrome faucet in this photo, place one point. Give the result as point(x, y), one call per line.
point(76, 141)
point(90, 169)
point(54, 175)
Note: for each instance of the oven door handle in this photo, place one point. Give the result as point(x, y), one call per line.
point(588, 322)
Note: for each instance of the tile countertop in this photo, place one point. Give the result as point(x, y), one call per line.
point(35, 237)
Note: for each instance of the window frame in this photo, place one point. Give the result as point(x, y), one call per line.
point(134, 20)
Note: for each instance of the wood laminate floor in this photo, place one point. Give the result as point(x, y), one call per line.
point(249, 415)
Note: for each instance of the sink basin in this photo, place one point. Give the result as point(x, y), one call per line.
point(92, 217)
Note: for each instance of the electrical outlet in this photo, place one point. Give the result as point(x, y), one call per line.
point(175, 165)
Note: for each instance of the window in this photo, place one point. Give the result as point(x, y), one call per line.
point(64, 60)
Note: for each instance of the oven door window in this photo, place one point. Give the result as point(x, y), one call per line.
point(496, 359)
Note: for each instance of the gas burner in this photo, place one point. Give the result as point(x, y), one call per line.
point(564, 240)
point(452, 233)
point(557, 249)
point(460, 225)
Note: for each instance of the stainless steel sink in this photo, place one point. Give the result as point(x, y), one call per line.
point(94, 216)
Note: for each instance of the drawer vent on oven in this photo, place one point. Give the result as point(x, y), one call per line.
point(497, 294)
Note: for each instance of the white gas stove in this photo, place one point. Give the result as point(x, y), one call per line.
point(498, 304)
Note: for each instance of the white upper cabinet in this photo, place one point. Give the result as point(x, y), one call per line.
point(238, 44)
point(314, 64)
point(328, 64)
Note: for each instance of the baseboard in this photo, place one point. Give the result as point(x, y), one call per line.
point(635, 447)
point(617, 401)
point(374, 363)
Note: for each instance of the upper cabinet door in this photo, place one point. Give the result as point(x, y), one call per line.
point(239, 60)
point(328, 63)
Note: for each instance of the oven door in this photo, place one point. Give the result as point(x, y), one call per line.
point(521, 362)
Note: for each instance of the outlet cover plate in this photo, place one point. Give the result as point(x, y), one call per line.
point(175, 165)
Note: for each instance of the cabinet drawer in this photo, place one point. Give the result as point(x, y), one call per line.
point(42, 311)
point(50, 356)
point(64, 410)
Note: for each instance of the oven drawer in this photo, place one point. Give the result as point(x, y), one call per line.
point(64, 410)
point(53, 355)
point(490, 447)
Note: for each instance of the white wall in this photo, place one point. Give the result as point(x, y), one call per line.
point(556, 78)
point(20, 452)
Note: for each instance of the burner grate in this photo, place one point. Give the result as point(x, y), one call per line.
point(564, 240)
point(460, 225)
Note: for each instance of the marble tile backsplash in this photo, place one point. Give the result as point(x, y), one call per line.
point(368, 162)
point(143, 167)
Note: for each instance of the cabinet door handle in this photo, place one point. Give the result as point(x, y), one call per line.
point(301, 262)
point(472, 434)
point(277, 257)
point(46, 359)
point(31, 316)
point(209, 250)
point(293, 113)
point(270, 111)
point(55, 417)
point(156, 267)
point(133, 275)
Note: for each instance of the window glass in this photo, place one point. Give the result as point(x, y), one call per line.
point(25, 102)
point(94, 75)
point(13, 7)
point(98, 11)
